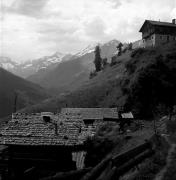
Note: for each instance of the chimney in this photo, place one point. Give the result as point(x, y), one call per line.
point(173, 21)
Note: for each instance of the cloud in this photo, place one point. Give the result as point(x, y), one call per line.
point(33, 28)
point(32, 8)
point(95, 28)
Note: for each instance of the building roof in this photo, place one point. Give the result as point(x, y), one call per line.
point(31, 129)
point(92, 113)
point(158, 23)
point(128, 115)
point(64, 129)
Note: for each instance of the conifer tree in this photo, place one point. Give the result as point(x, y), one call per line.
point(98, 59)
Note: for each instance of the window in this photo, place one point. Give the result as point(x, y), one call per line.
point(161, 37)
point(167, 38)
point(47, 119)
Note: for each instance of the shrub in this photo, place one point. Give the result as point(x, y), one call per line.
point(113, 61)
point(137, 52)
point(130, 66)
point(92, 74)
point(171, 126)
point(104, 62)
point(101, 144)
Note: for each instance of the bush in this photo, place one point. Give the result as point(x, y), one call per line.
point(171, 126)
point(92, 74)
point(102, 143)
point(130, 66)
point(137, 52)
point(113, 61)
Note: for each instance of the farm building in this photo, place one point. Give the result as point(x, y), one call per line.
point(155, 33)
point(47, 142)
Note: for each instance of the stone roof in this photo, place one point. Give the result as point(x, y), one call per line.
point(31, 129)
point(64, 129)
point(92, 113)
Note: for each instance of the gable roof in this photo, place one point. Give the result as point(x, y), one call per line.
point(92, 113)
point(158, 23)
point(30, 129)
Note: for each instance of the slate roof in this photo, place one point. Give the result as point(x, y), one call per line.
point(30, 129)
point(92, 113)
point(158, 23)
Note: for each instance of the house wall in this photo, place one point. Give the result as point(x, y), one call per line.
point(150, 41)
point(158, 39)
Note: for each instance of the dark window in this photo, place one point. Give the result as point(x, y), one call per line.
point(167, 38)
point(47, 119)
point(161, 37)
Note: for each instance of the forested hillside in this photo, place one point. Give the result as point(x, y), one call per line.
point(129, 82)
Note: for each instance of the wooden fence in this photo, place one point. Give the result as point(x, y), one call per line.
point(114, 167)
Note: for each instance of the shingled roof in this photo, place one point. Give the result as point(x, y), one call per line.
point(65, 129)
point(92, 113)
point(158, 23)
point(30, 129)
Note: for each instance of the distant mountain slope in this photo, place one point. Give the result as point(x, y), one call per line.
point(29, 68)
point(106, 89)
point(28, 93)
point(71, 74)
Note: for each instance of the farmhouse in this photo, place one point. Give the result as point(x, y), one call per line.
point(155, 33)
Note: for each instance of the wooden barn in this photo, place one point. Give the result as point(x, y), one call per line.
point(155, 33)
point(40, 143)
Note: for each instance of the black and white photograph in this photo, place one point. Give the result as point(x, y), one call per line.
point(87, 89)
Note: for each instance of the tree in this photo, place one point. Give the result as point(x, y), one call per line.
point(104, 62)
point(113, 61)
point(119, 48)
point(130, 46)
point(153, 85)
point(98, 59)
point(92, 74)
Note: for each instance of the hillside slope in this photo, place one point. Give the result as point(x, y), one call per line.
point(101, 91)
point(71, 74)
point(28, 93)
point(107, 88)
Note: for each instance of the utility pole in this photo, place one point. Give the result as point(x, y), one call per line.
point(15, 102)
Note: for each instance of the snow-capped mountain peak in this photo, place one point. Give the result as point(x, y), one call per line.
point(89, 49)
point(7, 63)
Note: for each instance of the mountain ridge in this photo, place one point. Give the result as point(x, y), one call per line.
point(69, 75)
point(11, 85)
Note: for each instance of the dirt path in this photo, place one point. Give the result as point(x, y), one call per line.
point(160, 175)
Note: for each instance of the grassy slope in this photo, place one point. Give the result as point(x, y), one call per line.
point(104, 90)
point(28, 93)
point(101, 91)
point(141, 60)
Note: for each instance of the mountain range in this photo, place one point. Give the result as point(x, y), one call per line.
point(69, 75)
point(60, 72)
point(31, 67)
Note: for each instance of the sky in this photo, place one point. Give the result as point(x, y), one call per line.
point(31, 29)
